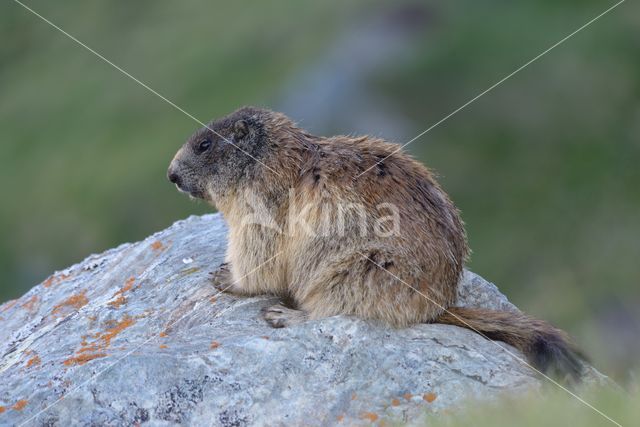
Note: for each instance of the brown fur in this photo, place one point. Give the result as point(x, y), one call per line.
point(409, 276)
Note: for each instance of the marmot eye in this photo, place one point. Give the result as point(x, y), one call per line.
point(204, 145)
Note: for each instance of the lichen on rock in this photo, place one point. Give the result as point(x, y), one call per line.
point(136, 335)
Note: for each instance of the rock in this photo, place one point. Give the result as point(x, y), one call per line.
point(137, 335)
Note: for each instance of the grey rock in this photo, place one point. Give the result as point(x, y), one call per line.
point(137, 335)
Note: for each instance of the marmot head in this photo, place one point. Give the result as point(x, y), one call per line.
point(223, 155)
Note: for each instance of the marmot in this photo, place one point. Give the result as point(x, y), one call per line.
point(306, 224)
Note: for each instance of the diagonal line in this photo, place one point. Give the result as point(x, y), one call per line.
point(168, 101)
point(496, 84)
point(136, 348)
point(515, 356)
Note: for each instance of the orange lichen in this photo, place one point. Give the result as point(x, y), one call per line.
point(87, 348)
point(340, 418)
point(128, 284)
point(214, 345)
point(395, 402)
point(74, 301)
point(157, 245)
point(6, 306)
point(102, 341)
point(407, 396)
point(113, 332)
point(30, 303)
point(83, 358)
point(213, 299)
point(163, 334)
point(35, 360)
point(20, 404)
point(2, 409)
point(429, 397)
point(371, 416)
point(163, 346)
point(55, 279)
point(120, 299)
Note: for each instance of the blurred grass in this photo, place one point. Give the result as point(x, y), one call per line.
point(544, 167)
point(553, 408)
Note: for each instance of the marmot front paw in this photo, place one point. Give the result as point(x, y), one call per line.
point(221, 278)
point(279, 316)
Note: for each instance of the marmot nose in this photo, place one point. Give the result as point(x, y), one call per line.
point(173, 177)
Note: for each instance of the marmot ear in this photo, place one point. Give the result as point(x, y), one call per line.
point(240, 129)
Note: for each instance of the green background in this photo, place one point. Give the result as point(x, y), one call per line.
point(544, 167)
